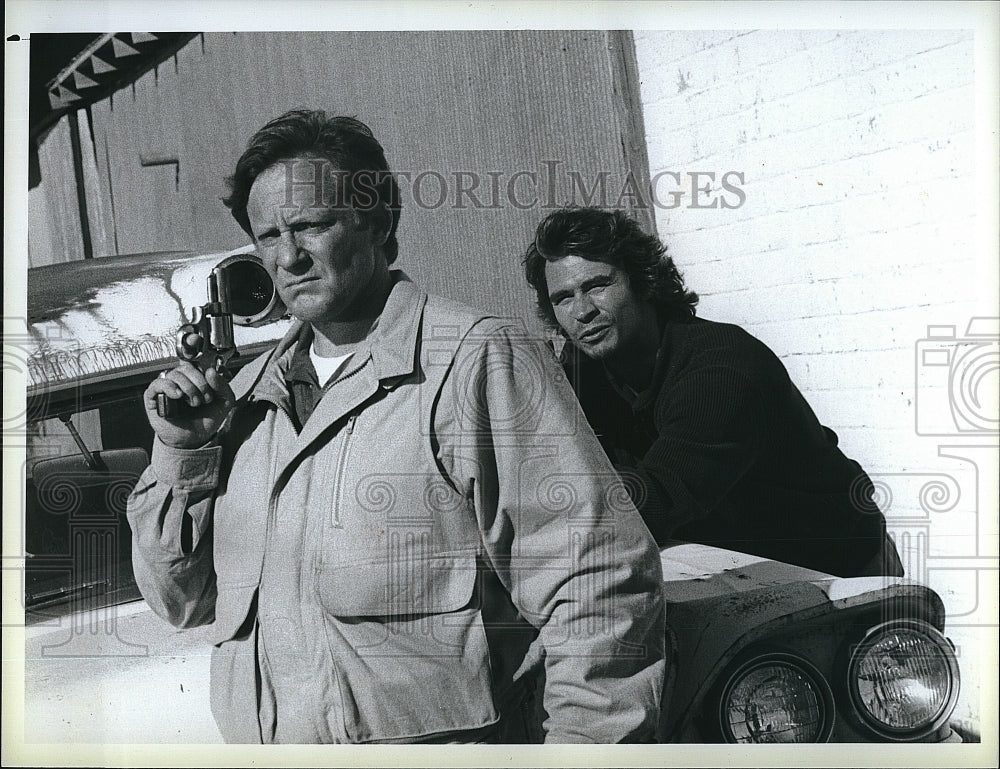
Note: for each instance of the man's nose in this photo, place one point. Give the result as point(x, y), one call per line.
point(583, 308)
point(289, 252)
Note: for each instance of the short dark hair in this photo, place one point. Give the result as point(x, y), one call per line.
point(345, 141)
point(614, 238)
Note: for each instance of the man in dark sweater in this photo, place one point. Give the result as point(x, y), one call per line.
point(713, 440)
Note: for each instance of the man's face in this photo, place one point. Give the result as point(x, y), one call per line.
point(597, 308)
point(321, 257)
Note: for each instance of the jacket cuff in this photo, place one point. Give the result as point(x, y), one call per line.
point(193, 469)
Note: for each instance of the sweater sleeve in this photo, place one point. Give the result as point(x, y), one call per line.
point(563, 538)
point(710, 428)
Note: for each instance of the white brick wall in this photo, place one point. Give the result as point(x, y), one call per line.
point(857, 232)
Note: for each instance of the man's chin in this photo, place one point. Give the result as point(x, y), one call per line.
point(308, 314)
point(600, 350)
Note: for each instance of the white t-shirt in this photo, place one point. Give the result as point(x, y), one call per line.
point(327, 368)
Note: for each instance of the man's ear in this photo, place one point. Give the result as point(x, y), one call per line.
point(379, 221)
point(384, 223)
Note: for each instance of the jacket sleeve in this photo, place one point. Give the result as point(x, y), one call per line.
point(563, 537)
point(170, 513)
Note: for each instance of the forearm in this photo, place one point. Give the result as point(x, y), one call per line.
point(585, 568)
point(170, 513)
point(564, 539)
point(605, 667)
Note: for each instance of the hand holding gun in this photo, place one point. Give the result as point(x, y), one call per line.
point(207, 341)
point(187, 405)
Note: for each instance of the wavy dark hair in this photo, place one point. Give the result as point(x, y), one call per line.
point(614, 238)
point(345, 141)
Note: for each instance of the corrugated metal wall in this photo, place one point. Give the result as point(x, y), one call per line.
point(54, 233)
point(490, 103)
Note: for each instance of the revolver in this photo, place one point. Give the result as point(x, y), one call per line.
point(240, 292)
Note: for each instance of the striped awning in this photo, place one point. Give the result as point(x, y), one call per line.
point(109, 62)
point(71, 71)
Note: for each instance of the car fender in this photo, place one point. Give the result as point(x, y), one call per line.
point(719, 602)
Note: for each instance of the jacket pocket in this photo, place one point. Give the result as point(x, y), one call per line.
point(392, 587)
point(413, 626)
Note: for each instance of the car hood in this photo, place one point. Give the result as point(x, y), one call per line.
point(701, 573)
point(96, 319)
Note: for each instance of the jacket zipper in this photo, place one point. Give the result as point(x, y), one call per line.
point(338, 479)
point(322, 724)
point(273, 498)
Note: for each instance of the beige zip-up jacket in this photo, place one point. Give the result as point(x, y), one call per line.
point(444, 533)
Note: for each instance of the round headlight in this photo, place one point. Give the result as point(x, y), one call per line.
point(904, 679)
point(250, 293)
point(776, 698)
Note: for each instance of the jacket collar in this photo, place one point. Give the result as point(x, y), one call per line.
point(391, 346)
point(395, 334)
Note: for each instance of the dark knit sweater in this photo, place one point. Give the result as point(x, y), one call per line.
point(723, 449)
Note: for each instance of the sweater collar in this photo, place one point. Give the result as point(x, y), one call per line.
point(642, 399)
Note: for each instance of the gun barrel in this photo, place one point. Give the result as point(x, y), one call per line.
point(218, 291)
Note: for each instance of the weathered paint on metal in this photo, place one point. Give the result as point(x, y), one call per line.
point(90, 319)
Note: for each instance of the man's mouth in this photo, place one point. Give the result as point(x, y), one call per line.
point(593, 334)
point(298, 283)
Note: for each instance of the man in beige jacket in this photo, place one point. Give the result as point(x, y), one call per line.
point(397, 521)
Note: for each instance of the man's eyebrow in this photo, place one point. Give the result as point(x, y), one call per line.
point(597, 280)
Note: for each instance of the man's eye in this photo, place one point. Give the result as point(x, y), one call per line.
point(560, 300)
point(310, 228)
point(268, 239)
